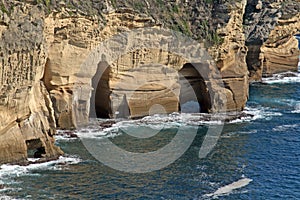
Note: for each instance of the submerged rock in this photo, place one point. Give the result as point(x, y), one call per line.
point(68, 134)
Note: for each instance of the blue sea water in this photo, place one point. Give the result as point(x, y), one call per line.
point(264, 149)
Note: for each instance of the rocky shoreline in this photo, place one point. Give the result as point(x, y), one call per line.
point(45, 44)
point(101, 125)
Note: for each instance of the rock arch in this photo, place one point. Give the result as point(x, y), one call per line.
point(193, 89)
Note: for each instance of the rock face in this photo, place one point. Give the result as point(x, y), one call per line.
point(269, 29)
point(61, 63)
point(27, 120)
point(230, 57)
point(120, 78)
point(280, 52)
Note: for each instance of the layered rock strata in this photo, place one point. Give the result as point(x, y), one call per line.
point(269, 30)
point(62, 63)
point(230, 57)
point(27, 122)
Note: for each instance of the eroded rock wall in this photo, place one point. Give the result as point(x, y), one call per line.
point(63, 81)
point(230, 57)
point(70, 41)
point(269, 29)
point(27, 113)
point(51, 63)
point(280, 52)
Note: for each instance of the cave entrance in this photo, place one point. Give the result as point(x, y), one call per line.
point(102, 95)
point(35, 148)
point(194, 96)
point(110, 101)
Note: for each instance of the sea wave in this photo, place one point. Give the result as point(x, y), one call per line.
point(286, 77)
point(238, 133)
point(102, 128)
point(228, 189)
point(284, 128)
point(9, 172)
point(256, 113)
point(155, 122)
point(4, 197)
point(296, 108)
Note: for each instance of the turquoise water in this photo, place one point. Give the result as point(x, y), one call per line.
point(264, 149)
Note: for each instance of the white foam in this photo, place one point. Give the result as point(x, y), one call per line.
point(155, 122)
point(174, 120)
point(251, 116)
point(227, 189)
point(61, 135)
point(292, 103)
point(9, 171)
point(59, 138)
point(297, 108)
point(92, 133)
point(284, 128)
point(182, 119)
point(288, 77)
point(231, 134)
point(261, 113)
point(5, 197)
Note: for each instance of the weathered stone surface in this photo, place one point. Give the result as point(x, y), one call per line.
point(150, 76)
point(26, 112)
point(61, 63)
point(269, 32)
point(280, 52)
point(231, 65)
point(230, 57)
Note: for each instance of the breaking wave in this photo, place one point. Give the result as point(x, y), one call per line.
point(284, 128)
point(100, 128)
point(228, 189)
point(296, 108)
point(286, 77)
point(8, 173)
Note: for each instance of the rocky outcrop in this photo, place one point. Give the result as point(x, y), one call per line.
point(76, 39)
point(27, 122)
point(62, 63)
point(230, 57)
point(280, 52)
point(63, 82)
point(269, 28)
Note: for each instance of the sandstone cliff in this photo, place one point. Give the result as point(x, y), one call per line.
point(65, 61)
point(225, 43)
point(269, 30)
point(27, 122)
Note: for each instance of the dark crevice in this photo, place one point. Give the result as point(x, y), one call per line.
point(101, 93)
point(35, 148)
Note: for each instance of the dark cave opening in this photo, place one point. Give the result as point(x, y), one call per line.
point(102, 96)
point(35, 148)
point(194, 88)
point(193, 92)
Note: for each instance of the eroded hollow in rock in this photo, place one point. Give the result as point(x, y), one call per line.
point(35, 148)
point(102, 95)
point(193, 91)
point(150, 89)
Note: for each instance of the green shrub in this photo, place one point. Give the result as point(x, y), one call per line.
point(3, 8)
